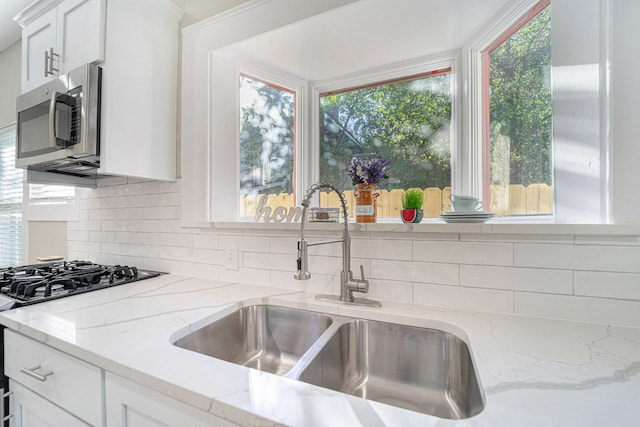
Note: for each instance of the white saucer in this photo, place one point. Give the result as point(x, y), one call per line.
point(474, 214)
point(473, 217)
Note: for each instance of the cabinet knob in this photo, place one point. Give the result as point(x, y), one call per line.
point(31, 372)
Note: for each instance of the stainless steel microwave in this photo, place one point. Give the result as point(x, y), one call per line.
point(58, 125)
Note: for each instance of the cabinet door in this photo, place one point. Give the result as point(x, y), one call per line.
point(132, 405)
point(80, 36)
point(37, 38)
point(30, 410)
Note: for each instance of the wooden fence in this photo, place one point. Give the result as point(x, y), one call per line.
point(535, 199)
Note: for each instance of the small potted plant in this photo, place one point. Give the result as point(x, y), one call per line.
point(412, 205)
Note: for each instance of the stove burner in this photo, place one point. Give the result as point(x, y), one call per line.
point(40, 282)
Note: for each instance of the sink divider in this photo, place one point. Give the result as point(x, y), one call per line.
point(297, 369)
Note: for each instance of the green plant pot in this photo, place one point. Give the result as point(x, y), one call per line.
point(411, 215)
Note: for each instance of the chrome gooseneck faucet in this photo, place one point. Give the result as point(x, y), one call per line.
point(348, 285)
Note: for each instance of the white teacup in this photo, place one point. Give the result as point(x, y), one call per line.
point(460, 203)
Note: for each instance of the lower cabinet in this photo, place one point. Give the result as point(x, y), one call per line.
point(31, 410)
point(52, 388)
point(132, 405)
point(45, 377)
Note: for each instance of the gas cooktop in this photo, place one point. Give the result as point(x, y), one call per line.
point(31, 284)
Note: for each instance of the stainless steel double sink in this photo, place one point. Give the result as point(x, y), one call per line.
point(420, 369)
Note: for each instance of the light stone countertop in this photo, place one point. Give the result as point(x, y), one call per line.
point(534, 372)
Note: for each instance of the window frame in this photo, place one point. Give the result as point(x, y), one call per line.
point(486, 90)
point(298, 88)
point(475, 101)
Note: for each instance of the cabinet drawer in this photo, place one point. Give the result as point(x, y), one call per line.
point(64, 380)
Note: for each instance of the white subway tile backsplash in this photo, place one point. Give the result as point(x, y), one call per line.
point(101, 236)
point(390, 290)
point(248, 276)
point(169, 199)
point(206, 241)
point(318, 283)
point(78, 235)
point(579, 257)
point(160, 239)
point(245, 243)
point(187, 240)
point(100, 214)
point(463, 252)
point(488, 300)
point(381, 249)
point(209, 256)
point(269, 261)
point(203, 271)
point(517, 279)
point(143, 200)
point(80, 246)
point(576, 277)
point(599, 310)
point(84, 225)
point(116, 225)
point(422, 272)
point(608, 240)
point(325, 264)
point(161, 265)
point(607, 285)
point(128, 213)
point(147, 226)
point(512, 238)
point(90, 204)
point(112, 202)
point(170, 252)
point(128, 237)
point(162, 212)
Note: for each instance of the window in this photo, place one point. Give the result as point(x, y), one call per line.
point(517, 113)
point(41, 194)
point(407, 122)
point(267, 143)
point(10, 200)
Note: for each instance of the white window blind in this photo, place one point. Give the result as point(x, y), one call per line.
point(10, 200)
point(40, 194)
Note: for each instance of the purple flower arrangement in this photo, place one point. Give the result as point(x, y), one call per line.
point(367, 170)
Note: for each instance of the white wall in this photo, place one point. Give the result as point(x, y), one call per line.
point(9, 83)
point(625, 162)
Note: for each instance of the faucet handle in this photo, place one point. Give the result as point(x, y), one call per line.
point(362, 273)
point(362, 284)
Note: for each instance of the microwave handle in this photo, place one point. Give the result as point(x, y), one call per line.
point(54, 141)
point(52, 119)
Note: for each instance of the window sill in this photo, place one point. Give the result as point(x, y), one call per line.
point(437, 226)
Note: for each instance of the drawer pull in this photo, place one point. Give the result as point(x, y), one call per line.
point(33, 374)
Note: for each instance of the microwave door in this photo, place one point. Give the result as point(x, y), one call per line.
point(33, 131)
point(63, 120)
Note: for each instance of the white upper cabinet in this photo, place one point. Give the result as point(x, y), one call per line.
point(135, 43)
point(60, 39)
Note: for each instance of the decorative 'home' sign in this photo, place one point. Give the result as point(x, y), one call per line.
point(277, 214)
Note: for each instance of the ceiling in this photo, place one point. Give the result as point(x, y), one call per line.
point(369, 33)
point(9, 30)
point(194, 11)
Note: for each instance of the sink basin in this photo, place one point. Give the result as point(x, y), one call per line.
point(424, 370)
point(420, 369)
point(263, 337)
